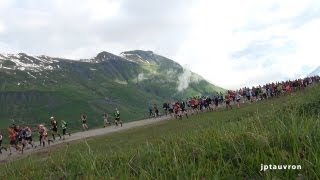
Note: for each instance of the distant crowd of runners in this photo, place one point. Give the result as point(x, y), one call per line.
point(180, 108)
point(21, 137)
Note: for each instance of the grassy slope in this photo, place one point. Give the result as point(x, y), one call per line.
point(228, 144)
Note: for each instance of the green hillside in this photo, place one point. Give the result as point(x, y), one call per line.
point(33, 88)
point(218, 145)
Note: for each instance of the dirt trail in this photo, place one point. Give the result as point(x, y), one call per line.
point(5, 157)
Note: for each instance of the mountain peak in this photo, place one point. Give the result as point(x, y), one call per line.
point(139, 56)
point(104, 56)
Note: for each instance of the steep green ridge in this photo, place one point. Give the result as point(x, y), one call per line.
point(219, 145)
point(33, 88)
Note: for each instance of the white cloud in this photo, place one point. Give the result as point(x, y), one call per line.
point(93, 10)
point(275, 50)
point(5, 3)
point(102, 9)
point(2, 27)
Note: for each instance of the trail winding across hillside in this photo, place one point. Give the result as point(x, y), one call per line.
point(5, 157)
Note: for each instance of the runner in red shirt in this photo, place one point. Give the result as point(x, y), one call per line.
point(228, 99)
point(288, 89)
point(13, 140)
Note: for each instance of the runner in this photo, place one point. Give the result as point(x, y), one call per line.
point(84, 121)
point(183, 109)
point(177, 110)
point(54, 128)
point(238, 97)
point(248, 94)
point(216, 102)
point(28, 137)
point(210, 102)
point(201, 105)
point(279, 89)
point(64, 129)
point(165, 108)
point(1, 138)
point(117, 117)
point(288, 89)
point(253, 94)
point(150, 111)
point(156, 110)
point(13, 140)
point(228, 99)
point(21, 137)
point(264, 92)
point(43, 135)
point(194, 105)
point(16, 129)
point(105, 119)
point(171, 109)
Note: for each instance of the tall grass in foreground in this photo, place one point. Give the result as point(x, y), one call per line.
point(224, 144)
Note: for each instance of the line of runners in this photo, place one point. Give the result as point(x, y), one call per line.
point(21, 137)
point(180, 108)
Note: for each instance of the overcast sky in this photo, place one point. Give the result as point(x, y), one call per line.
point(231, 43)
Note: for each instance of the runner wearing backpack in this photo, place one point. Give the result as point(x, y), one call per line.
point(64, 129)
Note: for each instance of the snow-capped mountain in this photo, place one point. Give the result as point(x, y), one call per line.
point(24, 62)
point(145, 68)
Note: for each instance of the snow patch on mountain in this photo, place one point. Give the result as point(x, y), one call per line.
point(7, 68)
point(123, 55)
point(24, 62)
point(32, 75)
point(86, 60)
point(134, 57)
